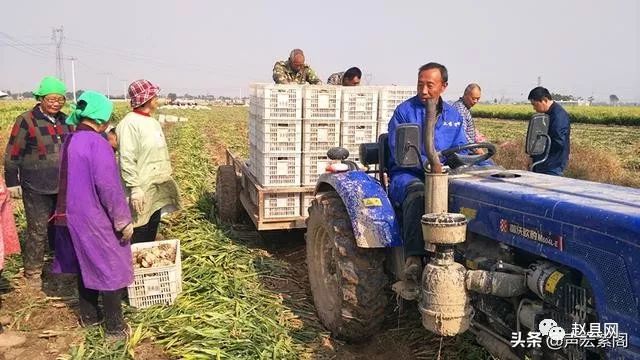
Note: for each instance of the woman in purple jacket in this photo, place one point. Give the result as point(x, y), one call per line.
point(93, 209)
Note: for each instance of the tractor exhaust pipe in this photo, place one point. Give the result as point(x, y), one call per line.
point(444, 303)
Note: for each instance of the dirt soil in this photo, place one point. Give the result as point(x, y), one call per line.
point(47, 318)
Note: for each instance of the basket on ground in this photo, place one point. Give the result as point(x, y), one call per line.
point(156, 285)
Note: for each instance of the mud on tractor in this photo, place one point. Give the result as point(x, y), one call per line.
point(509, 252)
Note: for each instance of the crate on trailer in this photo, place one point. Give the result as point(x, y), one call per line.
point(271, 101)
point(383, 127)
point(277, 169)
point(352, 134)
point(359, 103)
point(390, 97)
point(157, 285)
point(321, 102)
point(305, 203)
point(280, 205)
point(278, 135)
point(253, 119)
point(313, 164)
point(320, 135)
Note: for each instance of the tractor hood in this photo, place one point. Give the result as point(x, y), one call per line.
point(607, 209)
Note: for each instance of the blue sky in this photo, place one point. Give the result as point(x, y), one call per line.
point(577, 47)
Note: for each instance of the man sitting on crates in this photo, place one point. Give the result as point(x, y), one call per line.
point(406, 190)
point(351, 77)
point(294, 70)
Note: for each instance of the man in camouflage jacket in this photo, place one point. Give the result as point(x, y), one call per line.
point(294, 70)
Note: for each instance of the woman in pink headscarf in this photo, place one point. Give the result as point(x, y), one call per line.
point(145, 166)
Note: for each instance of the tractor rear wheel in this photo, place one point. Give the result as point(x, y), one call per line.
point(347, 282)
point(227, 196)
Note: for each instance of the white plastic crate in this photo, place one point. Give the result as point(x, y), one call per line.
point(253, 156)
point(157, 285)
point(313, 164)
point(252, 129)
point(305, 202)
point(281, 205)
point(320, 135)
point(278, 135)
point(383, 127)
point(352, 134)
point(277, 169)
point(359, 103)
point(321, 102)
point(392, 96)
point(271, 101)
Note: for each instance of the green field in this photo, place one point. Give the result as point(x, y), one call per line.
point(234, 305)
point(618, 115)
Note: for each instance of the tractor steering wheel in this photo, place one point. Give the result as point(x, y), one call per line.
point(455, 160)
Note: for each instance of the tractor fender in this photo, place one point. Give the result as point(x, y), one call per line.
point(372, 216)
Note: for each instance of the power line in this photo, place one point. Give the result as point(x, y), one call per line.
point(23, 47)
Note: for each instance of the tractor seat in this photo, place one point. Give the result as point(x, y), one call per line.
point(377, 153)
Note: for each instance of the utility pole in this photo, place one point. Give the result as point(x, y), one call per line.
point(73, 78)
point(539, 80)
point(108, 84)
point(57, 35)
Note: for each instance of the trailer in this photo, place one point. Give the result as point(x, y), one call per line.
point(238, 190)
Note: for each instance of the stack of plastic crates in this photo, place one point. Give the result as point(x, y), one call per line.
point(321, 129)
point(359, 118)
point(389, 98)
point(275, 145)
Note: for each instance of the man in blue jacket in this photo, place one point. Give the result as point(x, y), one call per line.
point(406, 189)
point(559, 132)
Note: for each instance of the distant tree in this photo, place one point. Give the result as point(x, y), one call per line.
point(27, 95)
point(7, 92)
point(613, 99)
point(172, 97)
point(561, 97)
point(69, 95)
point(590, 99)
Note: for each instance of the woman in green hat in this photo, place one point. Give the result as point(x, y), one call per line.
point(31, 168)
point(94, 217)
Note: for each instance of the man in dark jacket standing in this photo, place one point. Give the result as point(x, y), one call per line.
point(559, 132)
point(31, 167)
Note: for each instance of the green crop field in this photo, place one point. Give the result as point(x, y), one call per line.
point(618, 115)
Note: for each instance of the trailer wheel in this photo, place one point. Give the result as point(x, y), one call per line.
point(227, 196)
point(347, 282)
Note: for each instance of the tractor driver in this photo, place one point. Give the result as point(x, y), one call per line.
point(406, 190)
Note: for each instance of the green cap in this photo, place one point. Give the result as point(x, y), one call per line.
point(50, 85)
point(92, 105)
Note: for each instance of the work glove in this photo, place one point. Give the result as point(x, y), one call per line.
point(16, 192)
point(127, 233)
point(137, 200)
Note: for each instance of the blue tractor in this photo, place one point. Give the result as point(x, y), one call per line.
point(513, 253)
